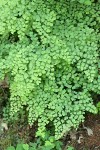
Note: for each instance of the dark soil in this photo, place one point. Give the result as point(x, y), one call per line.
point(87, 142)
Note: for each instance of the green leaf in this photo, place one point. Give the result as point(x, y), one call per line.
point(26, 146)
point(87, 2)
point(70, 148)
point(19, 147)
point(11, 148)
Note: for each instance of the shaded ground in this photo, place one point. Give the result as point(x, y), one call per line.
point(18, 131)
point(87, 142)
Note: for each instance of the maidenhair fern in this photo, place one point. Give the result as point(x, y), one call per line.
point(49, 51)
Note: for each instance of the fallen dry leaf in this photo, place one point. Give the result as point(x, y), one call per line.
point(89, 131)
point(79, 140)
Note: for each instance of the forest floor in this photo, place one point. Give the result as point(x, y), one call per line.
point(81, 140)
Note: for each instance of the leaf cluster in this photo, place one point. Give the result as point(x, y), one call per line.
point(49, 50)
point(45, 142)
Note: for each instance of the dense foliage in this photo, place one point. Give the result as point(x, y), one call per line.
point(49, 55)
point(46, 142)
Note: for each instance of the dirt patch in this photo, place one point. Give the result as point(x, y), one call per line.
point(87, 142)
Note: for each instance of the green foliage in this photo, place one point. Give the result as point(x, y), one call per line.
point(70, 148)
point(86, 2)
point(45, 143)
point(98, 107)
point(49, 51)
point(19, 147)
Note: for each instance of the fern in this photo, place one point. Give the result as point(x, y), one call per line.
point(49, 53)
